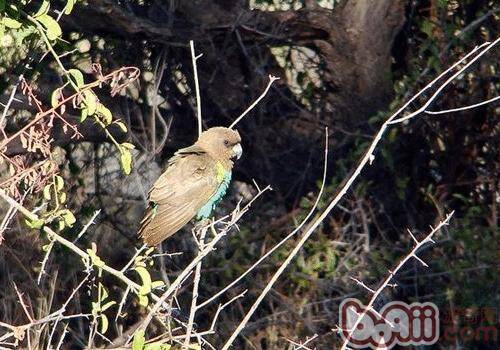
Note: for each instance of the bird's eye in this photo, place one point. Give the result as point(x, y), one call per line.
point(226, 142)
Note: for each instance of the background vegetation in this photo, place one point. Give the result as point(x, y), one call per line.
point(105, 129)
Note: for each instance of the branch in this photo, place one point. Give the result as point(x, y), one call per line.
point(459, 109)
point(66, 100)
point(272, 79)
point(197, 86)
point(412, 254)
point(197, 276)
point(368, 157)
point(487, 47)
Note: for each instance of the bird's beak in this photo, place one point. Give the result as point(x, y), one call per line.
point(237, 150)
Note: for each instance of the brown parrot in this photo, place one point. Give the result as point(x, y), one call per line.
point(194, 182)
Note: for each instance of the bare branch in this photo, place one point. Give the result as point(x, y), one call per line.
point(487, 47)
point(391, 275)
point(272, 79)
point(197, 86)
point(194, 299)
point(491, 100)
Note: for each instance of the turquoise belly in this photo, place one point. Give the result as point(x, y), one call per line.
point(206, 211)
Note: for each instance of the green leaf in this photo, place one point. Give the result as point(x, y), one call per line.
point(157, 284)
point(143, 300)
point(54, 99)
point(105, 113)
point(157, 346)
point(146, 280)
point(46, 192)
point(84, 114)
point(69, 7)
point(2, 5)
point(90, 102)
point(59, 182)
point(34, 224)
point(104, 292)
point(22, 33)
point(95, 259)
point(96, 308)
point(62, 197)
point(44, 8)
point(107, 305)
point(68, 217)
point(104, 324)
point(128, 145)
point(442, 3)
point(53, 29)
point(61, 225)
point(121, 125)
point(47, 247)
point(126, 160)
point(77, 76)
point(426, 26)
point(139, 340)
point(11, 23)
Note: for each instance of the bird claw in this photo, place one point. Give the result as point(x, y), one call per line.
point(200, 225)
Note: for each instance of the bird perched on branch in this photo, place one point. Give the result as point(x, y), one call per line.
point(194, 182)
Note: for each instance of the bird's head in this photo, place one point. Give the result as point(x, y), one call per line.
point(222, 143)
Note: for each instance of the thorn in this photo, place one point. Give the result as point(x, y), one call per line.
point(421, 261)
point(362, 284)
point(412, 236)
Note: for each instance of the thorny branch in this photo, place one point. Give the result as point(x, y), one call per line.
point(392, 273)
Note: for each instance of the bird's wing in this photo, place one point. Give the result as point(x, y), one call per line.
point(188, 183)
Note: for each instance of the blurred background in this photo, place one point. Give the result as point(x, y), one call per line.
point(345, 65)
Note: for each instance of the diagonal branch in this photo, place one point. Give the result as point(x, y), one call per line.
point(385, 283)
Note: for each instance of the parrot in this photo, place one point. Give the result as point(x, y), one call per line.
point(194, 182)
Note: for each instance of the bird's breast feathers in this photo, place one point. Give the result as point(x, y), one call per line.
point(220, 172)
point(223, 178)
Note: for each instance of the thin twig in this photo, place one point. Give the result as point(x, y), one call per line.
point(272, 79)
point(196, 86)
point(487, 46)
point(87, 225)
point(44, 262)
point(63, 308)
point(465, 107)
point(196, 283)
